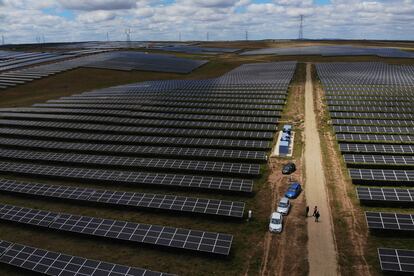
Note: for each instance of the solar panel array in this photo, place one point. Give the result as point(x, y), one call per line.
point(178, 136)
point(13, 64)
point(55, 263)
point(128, 61)
point(328, 51)
point(370, 105)
point(17, 73)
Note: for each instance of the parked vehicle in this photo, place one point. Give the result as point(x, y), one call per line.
point(293, 190)
point(284, 206)
point(276, 223)
point(289, 168)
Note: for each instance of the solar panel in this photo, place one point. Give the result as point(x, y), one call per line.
point(193, 240)
point(54, 263)
point(375, 138)
point(373, 129)
point(132, 150)
point(170, 101)
point(143, 130)
point(377, 148)
point(4, 245)
point(127, 177)
point(183, 110)
point(404, 116)
point(379, 221)
point(121, 198)
point(141, 122)
point(396, 260)
point(132, 114)
point(365, 108)
point(373, 122)
point(201, 167)
point(379, 177)
point(140, 140)
point(389, 160)
point(390, 196)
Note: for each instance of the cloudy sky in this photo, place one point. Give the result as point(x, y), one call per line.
point(82, 20)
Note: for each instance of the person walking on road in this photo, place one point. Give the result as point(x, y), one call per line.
point(307, 211)
point(317, 215)
point(315, 210)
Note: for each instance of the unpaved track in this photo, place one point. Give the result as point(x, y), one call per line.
point(321, 247)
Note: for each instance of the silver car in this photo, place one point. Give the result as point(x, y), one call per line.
point(284, 206)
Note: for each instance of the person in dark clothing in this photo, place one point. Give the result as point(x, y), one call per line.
point(307, 211)
point(317, 215)
point(315, 210)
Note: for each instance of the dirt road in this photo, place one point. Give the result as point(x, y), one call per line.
point(321, 247)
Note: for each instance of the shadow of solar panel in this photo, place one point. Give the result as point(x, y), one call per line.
point(132, 178)
point(391, 222)
point(129, 199)
point(54, 263)
point(396, 260)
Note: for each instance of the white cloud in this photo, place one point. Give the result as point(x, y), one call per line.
point(65, 20)
point(96, 16)
point(89, 5)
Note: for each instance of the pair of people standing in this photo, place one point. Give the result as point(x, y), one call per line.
point(315, 213)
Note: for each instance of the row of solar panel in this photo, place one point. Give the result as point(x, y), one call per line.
point(375, 138)
point(396, 260)
point(262, 96)
point(368, 108)
point(131, 150)
point(210, 242)
point(378, 176)
point(389, 160)
point(152, 115)
point(138, 140)
point(376, 148)
point(372, 129)
point(127, 177)
point(140, 122)
point(213, 105)
point(405, 116)
point(357, 102)
point(375, 122)
point(134, 163)
point(390, 221)
point(205, 206)
point(153, 131)
point(385, 196)
point(54, 263)
point(238, 112)
point(204, 98)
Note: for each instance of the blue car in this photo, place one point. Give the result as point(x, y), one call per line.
point(293, 190)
